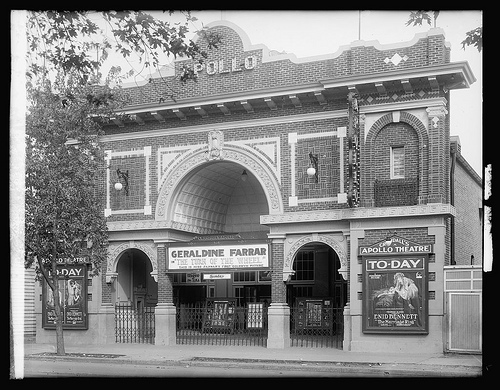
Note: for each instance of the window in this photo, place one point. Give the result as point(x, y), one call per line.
point(304, 266)
point(247, 276)
point(397, 162)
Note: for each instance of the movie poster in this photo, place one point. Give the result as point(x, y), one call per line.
point(395, 294)
point(72, 297)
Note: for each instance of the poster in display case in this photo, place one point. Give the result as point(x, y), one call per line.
point(72, 280)
point(219, 315)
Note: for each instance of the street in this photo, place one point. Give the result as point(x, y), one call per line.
point(92, 368)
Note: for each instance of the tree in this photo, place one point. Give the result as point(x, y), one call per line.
point(63, 199)
point(64, 162)
point(473, 37)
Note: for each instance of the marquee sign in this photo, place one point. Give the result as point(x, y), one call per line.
point(210, 257)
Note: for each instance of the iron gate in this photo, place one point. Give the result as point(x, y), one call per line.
point(222, 323)
point(315, 325)
point(134, 325)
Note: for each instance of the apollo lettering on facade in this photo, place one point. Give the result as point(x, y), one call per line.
point(226, 66)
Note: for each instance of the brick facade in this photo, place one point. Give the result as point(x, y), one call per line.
point(272, 111)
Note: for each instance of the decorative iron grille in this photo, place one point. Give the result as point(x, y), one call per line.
point(134, 325)
point(221, 322)
point(312, 324)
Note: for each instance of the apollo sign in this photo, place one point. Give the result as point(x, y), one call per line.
point(395, 246)
point(221, 66)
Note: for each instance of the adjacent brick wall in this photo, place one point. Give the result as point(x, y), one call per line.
point(468, 221)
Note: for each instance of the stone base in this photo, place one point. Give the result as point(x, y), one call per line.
point(278, 316)
point(165, 324)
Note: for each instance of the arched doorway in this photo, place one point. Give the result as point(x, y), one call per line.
point(316, 294)
point(134, 284)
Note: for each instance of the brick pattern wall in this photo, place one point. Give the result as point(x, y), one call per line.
point(356, 60)
point(135, 165)
point(278, 288)
point(410, 133)
point(165, 289)
point(419, 235)
point(468, 238)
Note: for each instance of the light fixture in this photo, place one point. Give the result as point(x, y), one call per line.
point(122, 175)
point(313, 169)
point(244, 175)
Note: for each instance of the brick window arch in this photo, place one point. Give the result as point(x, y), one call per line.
point(407, 131)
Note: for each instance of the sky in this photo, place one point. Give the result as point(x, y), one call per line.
point(312, 33)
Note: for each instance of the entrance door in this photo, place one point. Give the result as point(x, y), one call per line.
point(316, 294)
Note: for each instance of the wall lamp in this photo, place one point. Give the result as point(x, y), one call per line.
point(122, 176)
point(313, 169)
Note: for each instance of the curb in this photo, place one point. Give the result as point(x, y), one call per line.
point(364, 368)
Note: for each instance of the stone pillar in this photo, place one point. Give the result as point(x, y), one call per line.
point(165, 311)
point(278, 313)
point(106, 323)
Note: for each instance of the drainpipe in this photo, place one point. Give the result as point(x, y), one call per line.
point(453, 159)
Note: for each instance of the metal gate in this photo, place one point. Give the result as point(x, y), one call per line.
point(316, 324)
point(134, 325)
point(463, 289)
point(221, 322)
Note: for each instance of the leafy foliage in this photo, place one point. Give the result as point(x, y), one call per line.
point(64, 162)
point(73, 41)
point(418, 17)
point(474, 38)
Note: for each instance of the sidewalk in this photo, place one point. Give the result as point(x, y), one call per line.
point(314, 358)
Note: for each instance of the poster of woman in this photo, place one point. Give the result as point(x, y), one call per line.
point(395, 295)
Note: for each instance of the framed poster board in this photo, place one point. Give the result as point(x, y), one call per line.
point(255, 315)
point(219, 315)
point(395, 294)
point(314, 313)
point(72, 279)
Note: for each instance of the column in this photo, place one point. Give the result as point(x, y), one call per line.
point(437, 153)
point(165, 311)
point(278, 312)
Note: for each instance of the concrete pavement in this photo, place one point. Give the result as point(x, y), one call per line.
point(308, 358)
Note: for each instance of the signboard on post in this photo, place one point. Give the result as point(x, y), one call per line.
point(210, 257)
point(395, 289)
point(72, 279)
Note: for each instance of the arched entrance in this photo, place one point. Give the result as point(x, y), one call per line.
point(316, 294)
point(134, 284)
point(135, 293)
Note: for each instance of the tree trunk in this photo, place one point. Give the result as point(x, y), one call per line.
point(59, 316)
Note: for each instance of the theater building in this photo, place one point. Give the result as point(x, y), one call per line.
point(296, 198)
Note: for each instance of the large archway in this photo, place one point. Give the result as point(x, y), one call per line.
point(219, 197)
point(190, 165)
